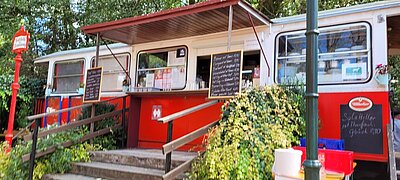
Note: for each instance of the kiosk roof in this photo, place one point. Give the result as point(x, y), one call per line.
point(193, 20)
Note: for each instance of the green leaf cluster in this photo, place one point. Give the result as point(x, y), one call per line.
point(252, 126)
point(283, 8)
point(394, 71)
point(29, 89)
point(12, 167)
point(112, 140)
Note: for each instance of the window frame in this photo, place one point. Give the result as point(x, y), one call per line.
point(158, 50)
point(368, 51)
point(54, 77)
point(112, 57)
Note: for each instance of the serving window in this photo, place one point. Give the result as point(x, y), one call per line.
point(162, 69)
point(113, 74)
point(68, 75)
point(344, 55)
point(250, 69)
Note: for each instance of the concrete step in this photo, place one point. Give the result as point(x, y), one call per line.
point(69, 176)
point(145, 158)
point(115, 171)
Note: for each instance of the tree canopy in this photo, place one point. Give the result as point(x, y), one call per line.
point(55, 24)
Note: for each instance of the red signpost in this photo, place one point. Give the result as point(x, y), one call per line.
point(20, 44)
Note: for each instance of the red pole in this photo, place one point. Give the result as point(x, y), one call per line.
point(20, 44)
point(14, 87)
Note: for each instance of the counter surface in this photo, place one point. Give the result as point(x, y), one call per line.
point(203, 92)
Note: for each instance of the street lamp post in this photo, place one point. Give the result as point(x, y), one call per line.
point(312, 165)
point(20, 45)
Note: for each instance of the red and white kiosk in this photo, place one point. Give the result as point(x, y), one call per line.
point(169, 64)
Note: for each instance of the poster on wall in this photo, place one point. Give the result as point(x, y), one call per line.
point(178, 75)
point(158, 78)
point(354, 71)
point(150, 80)
point(177, 58)
point(167, 78)
point(361, 126)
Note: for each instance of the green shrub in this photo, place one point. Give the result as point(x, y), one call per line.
point(29, 89)
point(12, 167)
point(394, 71)
point(111, 140)
point(252, 125)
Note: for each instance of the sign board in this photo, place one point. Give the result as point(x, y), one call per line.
point(361, 126)
point(93, 85)
point(156, 112)
point(225, 75)
point(20, 40)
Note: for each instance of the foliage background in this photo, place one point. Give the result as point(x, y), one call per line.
point(394, 71)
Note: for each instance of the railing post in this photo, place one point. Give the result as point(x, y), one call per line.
point(33, 152)
point(92, 115)
point(124, 119)
point(168, 156)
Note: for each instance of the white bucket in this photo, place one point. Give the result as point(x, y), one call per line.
point(287, 162)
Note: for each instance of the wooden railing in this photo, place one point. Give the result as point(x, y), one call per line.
point(173, 145)
point(35, 135)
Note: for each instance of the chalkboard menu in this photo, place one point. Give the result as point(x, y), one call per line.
point(362, 130)
point(225, 75)
point(93, 85)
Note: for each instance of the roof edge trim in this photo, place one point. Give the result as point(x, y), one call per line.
point(157, 16)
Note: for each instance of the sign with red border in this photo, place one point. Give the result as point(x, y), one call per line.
point(360, 104)
point(20, 40)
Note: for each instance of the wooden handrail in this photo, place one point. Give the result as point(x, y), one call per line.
point(34, 136)
point(56, 112)
point(71, 108)
point(175, 144)
point(178, 170)
point(70, 143)
point(21, 131)
point(73, 125)
point(185, 112)
point(114, 98)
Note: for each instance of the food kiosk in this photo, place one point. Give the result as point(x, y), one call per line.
point(170, 54)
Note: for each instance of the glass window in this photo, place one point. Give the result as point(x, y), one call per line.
point(68, 75)
point(343, 55)
point(162, 69)
point(113, 73)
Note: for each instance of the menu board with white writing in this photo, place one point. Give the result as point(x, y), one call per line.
point(225, 75)
point(93, 85)
point(362, 130)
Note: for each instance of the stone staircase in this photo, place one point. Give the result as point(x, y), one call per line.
point(123, 164)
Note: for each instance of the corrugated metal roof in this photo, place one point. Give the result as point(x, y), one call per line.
point(45, 58)
point(193, 20)
point(341, 11)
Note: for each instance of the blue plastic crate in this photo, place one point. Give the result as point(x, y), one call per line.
point(336, 144)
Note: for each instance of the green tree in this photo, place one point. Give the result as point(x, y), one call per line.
point(282, 8)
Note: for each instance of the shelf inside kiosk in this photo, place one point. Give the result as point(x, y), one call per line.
point(343, 55)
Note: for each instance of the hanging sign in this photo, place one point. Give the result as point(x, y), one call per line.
point(20, 40)
point(225, 75)
point(93, 85)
